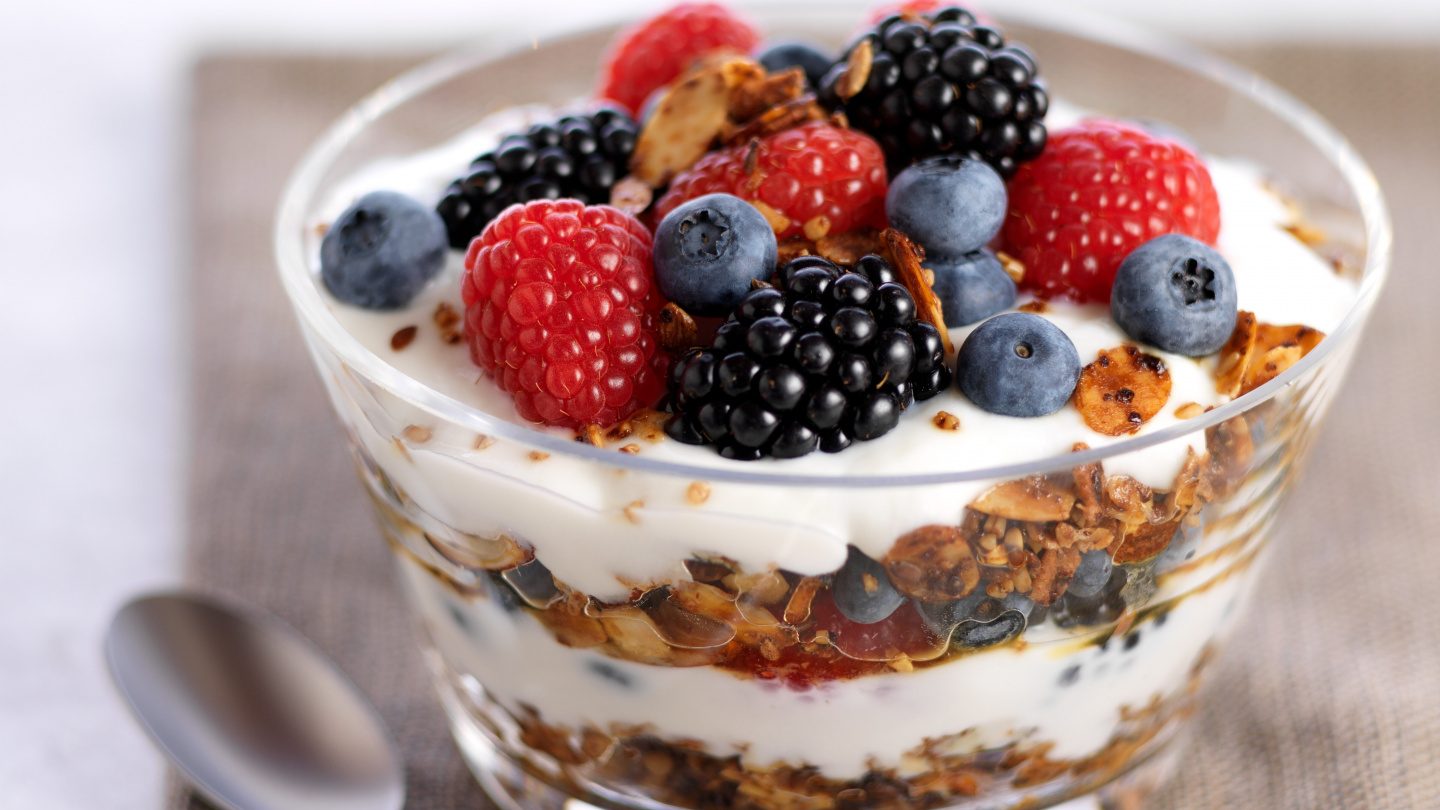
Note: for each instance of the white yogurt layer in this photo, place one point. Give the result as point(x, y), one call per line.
point(1066, 692)
point(601, 531)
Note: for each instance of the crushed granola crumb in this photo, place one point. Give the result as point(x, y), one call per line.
point(631, 449)
point(322, 228)
point(538, 455)
point(946, 420)
point(448, 321)
point(403, 337)
point(1013, 266)
point(698, 492)
point(1037, 307)
point(631, 509)
point(1308, 234)
point(592, 434)
point(817, 227)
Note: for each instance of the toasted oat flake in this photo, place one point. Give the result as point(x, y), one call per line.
point(538, 455)
point(697, 493)
point(1121, 390)
point(417, 434)
point(946, 420)
point(857, 71)
point(403, 337)
point(1189, 410)
point(1235, 355)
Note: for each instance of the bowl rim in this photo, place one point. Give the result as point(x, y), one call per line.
point(294, 263)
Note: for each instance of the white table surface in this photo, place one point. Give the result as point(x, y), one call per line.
point(92, 468)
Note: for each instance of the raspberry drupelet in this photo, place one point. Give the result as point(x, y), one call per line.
point(1100, 190)
point(560, 308)
point(813, 180)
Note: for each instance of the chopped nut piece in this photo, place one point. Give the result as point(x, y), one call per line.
point(1121, 390)
point(778, 221)
point(482, 441)
point(631, 195)
point(593, 435)
point(677, 330)
point(697, 493)
point(417, 434)
point(946, 420)
point(905, 257)
point(1189, 410)
point(817, 227)
point(403, 337)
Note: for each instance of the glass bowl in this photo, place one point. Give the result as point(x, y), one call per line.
point(719, 673)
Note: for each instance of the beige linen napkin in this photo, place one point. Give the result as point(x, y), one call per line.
point(1328, 697)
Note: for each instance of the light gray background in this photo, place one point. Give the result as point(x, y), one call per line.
point(93, 98)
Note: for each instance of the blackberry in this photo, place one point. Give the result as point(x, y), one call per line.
point(577, 157)
point(828, 357)
point(943, 84)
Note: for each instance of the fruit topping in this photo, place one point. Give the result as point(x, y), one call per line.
point(577, 157)
point(809, 58)
point(828, 357)
point(655, 52)
point(1176, 293)
point(951, 205)
point(381, 251)
point(710, 251)
point(1101, 190)
point(972, 287)
point(1018, 364)
point(862, 590)
point(940, 83)
point(1121, 390)
point(813, 180)
point(561, 310)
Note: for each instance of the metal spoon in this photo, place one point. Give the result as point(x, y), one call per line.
point(248, 710)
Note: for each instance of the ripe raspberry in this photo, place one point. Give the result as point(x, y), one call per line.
point(1100, 190)
point(810, 180)
point(560, 308)
point(655, 52)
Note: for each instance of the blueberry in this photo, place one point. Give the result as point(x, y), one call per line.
point(1018, 364)
point(862, 591)
point(974, 635)
point(1092, 575)
point(1183, 547)
point(972, 287)
point(708, 252)
point(951, 205)
point(382, 251)
point(1176, 293)
point(803, 55)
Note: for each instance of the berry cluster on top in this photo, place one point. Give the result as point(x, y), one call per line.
point(923, 141)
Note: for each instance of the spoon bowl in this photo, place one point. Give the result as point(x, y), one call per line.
point(252, 713)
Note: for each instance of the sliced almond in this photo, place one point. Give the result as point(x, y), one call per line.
point(1235, 355)
point(1122, 390)
point(631, 195)
point(1014, 268)
point(759, 91)
point(857, 71)
point(905, 257)
point(1035, 499)
point(688, 119)
point(1276, 349)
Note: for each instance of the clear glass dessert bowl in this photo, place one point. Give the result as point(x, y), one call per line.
point(610, 629)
